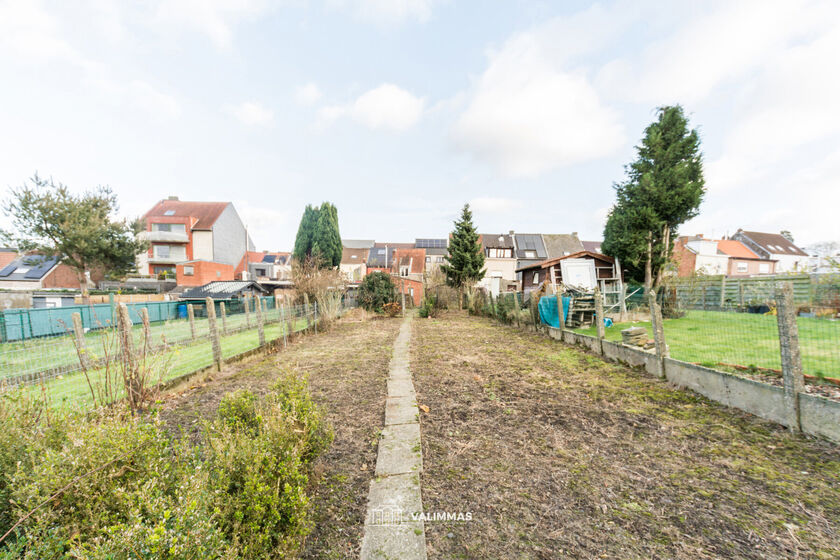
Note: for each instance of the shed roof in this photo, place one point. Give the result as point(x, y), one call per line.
point(578, 255)
point(205, 213)
point(222, 289)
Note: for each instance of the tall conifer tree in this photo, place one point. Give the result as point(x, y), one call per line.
point(465, 265)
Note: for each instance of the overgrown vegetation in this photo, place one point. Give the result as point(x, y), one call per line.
point(110, 484)
point(377, 289)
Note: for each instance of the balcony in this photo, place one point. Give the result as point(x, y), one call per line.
point(164, 237)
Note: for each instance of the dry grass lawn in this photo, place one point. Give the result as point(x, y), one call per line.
point(559, 454)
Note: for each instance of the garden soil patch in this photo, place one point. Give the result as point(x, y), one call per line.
point(347, 369)
point(559, 454)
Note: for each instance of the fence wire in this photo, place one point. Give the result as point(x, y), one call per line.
point(72, 373)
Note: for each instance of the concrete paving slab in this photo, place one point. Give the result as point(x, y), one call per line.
point(400, 387)
point(403, 542)
point(401, 410)
point(399, 450)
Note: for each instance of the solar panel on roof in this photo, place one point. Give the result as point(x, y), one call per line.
point(40, 266)
point(268, 259)
point(8, 269)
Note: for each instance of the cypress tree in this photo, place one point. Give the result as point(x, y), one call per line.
point(326, 241)
point(466, 259)
point(664, 189)
point(306, 233)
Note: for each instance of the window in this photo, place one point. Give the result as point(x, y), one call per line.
point(530, 254)
point(764, 268)
point(428, 260)
point(491, 253)
point(536, 279)
point(260, 271)
point(169, 213)
point(403, 271)
point(189, 271)
point(743, 267)
point(176, 228)
point(162, 251)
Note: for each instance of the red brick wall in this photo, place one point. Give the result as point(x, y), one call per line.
point(684, 259)
point(64, 276)
point(204, 272)
point(405, 284)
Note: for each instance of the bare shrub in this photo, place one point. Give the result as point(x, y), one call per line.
point(326, 286)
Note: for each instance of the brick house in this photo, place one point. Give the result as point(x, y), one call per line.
point(36, 272)
point(181, 231)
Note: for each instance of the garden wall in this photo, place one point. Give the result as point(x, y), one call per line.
point(817, 415)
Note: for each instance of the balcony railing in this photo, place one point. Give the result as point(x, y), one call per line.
point(165, 237)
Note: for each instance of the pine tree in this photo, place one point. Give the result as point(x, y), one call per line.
point(465, 265)
point(664, 189)
point(326, 241)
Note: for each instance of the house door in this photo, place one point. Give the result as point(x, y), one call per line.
point(579, 273)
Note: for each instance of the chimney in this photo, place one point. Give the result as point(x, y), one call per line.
point(511, 233)
point(172, 198)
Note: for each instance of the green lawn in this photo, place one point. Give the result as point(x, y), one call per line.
point(49, 353)
point(746, 339)
point(72, 390)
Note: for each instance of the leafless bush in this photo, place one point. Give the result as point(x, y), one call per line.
point(326, 286)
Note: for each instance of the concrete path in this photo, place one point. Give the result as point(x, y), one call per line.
point(393, 527)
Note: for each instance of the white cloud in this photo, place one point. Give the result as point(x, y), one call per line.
point(494, 205)
point(530, 113)
point(252, 113)
point(214, 18)
point(308, 94)
point(387, 107)
point(388, 12)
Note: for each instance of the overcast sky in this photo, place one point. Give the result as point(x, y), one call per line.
point(399, 111)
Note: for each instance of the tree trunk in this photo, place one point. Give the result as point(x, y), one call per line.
point(666, 254)
point(82, 275)
point(649, 263)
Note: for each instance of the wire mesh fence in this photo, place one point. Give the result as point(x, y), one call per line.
point(81, 365)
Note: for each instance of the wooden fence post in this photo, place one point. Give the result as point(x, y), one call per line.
point(722, 291)
point(214, 333)
point(534, 308)
point(132, 382)
point(246, 301)
point(794, 382)
point(658, 332)
point(260, 325)
point(224, 317)
point(147, 330)
point(191, 315)
point(517, 308)
point(79, 333)
point(402, 289)
point(281, 318)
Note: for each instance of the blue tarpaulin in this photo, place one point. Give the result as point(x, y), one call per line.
point(548, 310)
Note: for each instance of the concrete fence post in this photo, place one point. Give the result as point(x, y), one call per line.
point(534, 305)
point(260, 324)
point(214, 333)
point(561, 322)
point(493, 313)
point(306, 310)
point(658, 332)
point(599, 316)
point(79, 333)
point(246, 302)
point(517, 308)
point(127, 350)
point(722, 291)
point(191, 315)
point(147, 330)
point(223, 310)
point(794, 382)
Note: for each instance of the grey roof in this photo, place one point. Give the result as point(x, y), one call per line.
point(561, 244)
point(438, 251)
point(771, 243)
point(357, 243)
point(594, 246)
point(496, 241)
point(222, 289)
point(30, 267)
point(530, 242)
point(376, 257)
